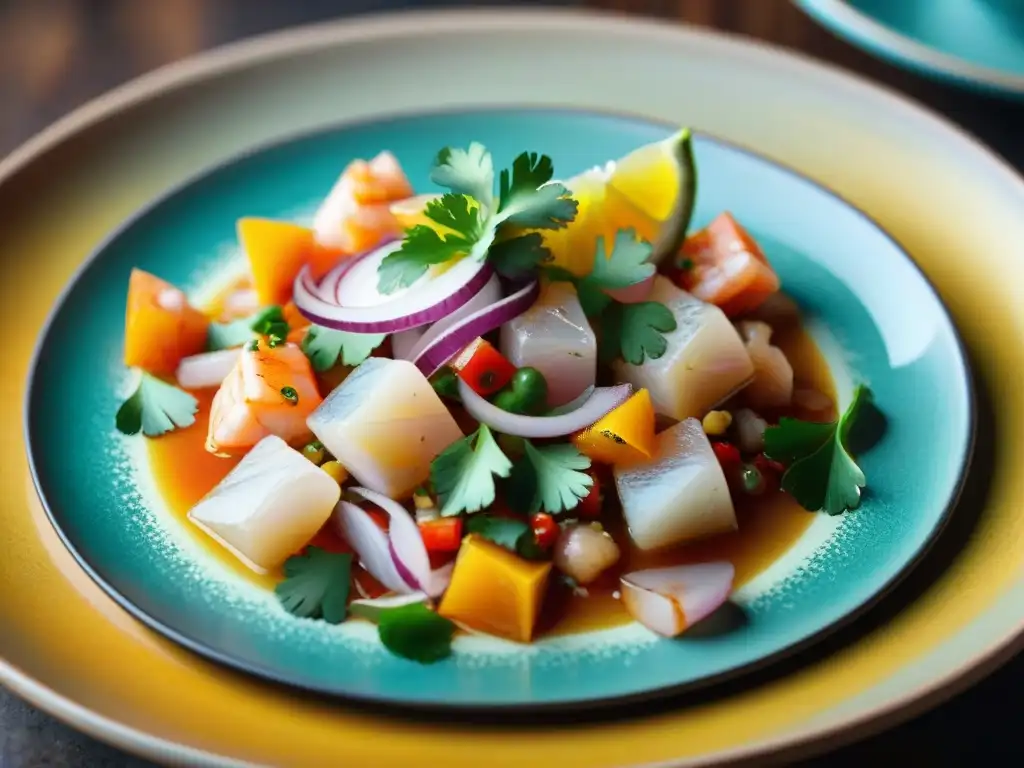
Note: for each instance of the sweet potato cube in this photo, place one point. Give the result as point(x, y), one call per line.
point(495, 591)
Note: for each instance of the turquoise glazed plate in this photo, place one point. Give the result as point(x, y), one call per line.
point(974, 43)
point(873, 314)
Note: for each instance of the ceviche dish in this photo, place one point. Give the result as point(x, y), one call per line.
point(512, 405)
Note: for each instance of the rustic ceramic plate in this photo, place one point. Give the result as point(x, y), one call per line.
point(72, 650)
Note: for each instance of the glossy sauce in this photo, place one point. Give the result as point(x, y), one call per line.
point(768, 525)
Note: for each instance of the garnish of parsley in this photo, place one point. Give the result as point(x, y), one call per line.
point(471, 222)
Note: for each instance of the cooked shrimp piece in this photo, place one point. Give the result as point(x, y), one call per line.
point(356, 215)
point(727, 267)
point(270, 391)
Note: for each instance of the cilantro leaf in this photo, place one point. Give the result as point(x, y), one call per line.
point(324, 347)
point(466, 172)
point(625, 265)
point(513, 534)
point(456, 213)
point(416, 633)
point(227, 335)
point(549, 478)
point(156, 408)
point(422, 247)
point(528, 199)
point(316, 585)
point(463, 474)
point(822, 475)
point(270, 321)
point(517, 257)
point(640, 330)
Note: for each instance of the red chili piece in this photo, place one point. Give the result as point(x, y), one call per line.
point(545, 530)
point(483, 368)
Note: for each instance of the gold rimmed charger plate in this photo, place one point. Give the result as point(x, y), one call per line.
point(955, 207)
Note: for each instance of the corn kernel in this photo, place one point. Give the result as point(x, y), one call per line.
point(716, 422)
point(423, 501)
point(337, 472)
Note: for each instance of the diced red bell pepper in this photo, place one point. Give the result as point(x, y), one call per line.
point(545, 530)
point(483, 368)
point(442, 535)
point(728, 454)
point(589, 507)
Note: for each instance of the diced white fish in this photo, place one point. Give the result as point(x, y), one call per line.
point(269, 506)
point(385, 424)
point(704, 364)
point(679, 495)
point(554, 337)
point(772, 386)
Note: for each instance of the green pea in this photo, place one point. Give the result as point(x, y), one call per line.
point(527, 392)
point(753, 482)
point(446, 384)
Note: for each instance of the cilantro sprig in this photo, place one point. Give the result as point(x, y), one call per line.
point(416, 633)
point(316, 585)
point(268, 321)
point(821, 473)
point(549, 478)
point(511, 533)
point(325, 347)
point(630, 331)
point(473, 221)
point(463, 474)
point(156, 408)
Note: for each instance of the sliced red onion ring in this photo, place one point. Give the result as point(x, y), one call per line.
point(485, 297)
point(370, 543)
point(405, 543)
point(360, 308)
point(601, 401)
point(403, 342)
point(207, 369)
point(671, 600)
point(455, 337)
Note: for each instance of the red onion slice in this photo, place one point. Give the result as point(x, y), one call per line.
point(370, 543)
point(601, 402)
point(405, 544)
point(671, 600)
point(358, 307)
point(485, 297)
point(207, 369)
point(456, 336)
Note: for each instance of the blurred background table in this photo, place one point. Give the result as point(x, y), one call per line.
point(58, 54)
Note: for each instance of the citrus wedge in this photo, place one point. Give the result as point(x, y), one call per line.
point(651, 190)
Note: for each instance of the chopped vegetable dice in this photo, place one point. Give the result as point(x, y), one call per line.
point(277, 250)
point(555, 337)
point(385, 424)
point(160, 326)
point(443, 534)
point(705, 361)
point(269, 506)
point(624, 435)
point(495, 591)
point(680, 495)
point(483, 368)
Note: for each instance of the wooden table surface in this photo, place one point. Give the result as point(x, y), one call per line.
point(57, 54)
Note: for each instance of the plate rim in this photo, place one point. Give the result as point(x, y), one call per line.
point(488, 708)
point(861, 30)
point(264, 48)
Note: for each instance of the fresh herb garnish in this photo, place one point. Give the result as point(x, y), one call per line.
point(635, 331)
point(416, 633)
point(549, 478)
point(463, 474)
point(290, 394)
point(324, 347)
point(511, 533)
point(629, 331)
point(474, 223)
point(270, 321)
point(228, 335)
point(821, 474)
point(156, 408)
point(316, 585)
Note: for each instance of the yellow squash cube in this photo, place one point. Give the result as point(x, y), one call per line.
point(495, 591)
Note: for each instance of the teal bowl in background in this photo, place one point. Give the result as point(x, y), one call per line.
point(977, 44)
point(874, 315)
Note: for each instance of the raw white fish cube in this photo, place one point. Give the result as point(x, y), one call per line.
point(554, 337)
point(269, 506)
point(680, 495)
point(705, 363)
point(385, 424)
